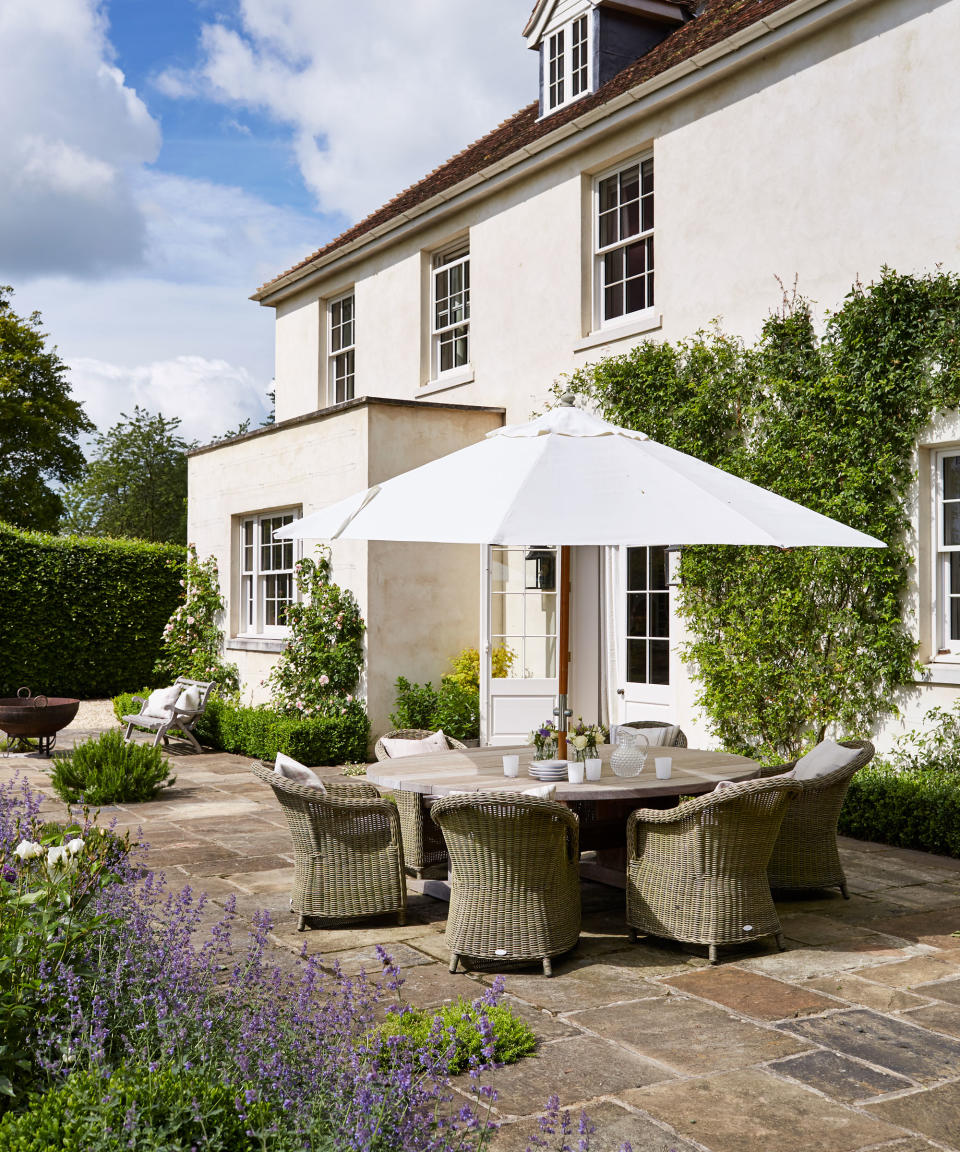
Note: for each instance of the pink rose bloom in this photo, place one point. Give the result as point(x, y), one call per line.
point(349, 699)
point(190, 620)
point(324, 680)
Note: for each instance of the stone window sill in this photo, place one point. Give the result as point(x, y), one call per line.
point(646, 321)
point(255, 644)
point(452, 379)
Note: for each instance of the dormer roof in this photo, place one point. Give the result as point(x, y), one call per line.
point(543, 12)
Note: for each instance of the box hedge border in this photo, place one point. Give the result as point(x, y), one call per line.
point(907, 808)
point(261, 732)
point(82, 616)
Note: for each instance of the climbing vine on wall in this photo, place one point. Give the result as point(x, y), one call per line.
point(788, 646)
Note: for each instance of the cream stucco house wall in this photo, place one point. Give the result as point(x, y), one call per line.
point(813, 142)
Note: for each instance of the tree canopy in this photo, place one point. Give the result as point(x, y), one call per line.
point(136, 482)
point(40, 423)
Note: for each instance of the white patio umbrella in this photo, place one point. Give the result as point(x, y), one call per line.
point(570, 478)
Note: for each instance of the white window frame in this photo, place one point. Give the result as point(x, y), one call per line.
point(341, 352)
point(600, 251)
point(945, 648)
point(567, 64)
point(442, 263)
point(255, 576)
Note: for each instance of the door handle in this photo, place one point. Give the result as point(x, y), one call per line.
point(620, 692)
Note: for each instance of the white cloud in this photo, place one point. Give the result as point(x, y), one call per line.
point(375, 93)
point(208, 396)
point(72, 134)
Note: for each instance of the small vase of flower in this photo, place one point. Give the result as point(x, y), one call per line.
point(544, 741)
point(584, 738)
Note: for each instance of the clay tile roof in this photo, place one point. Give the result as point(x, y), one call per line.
point(719, 20)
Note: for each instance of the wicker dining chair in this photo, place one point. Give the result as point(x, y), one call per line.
point(423, 845)
point(805, 854)
point(679, 739)
point(347, 850)
point(515, 877)
point(698, 872)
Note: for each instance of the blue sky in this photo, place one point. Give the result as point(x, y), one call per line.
point(165, 157)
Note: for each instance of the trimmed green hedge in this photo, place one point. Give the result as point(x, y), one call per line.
point(262, 733)
point(907, 808)
point(82, 617)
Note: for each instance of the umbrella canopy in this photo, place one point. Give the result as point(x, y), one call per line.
point(569, 477)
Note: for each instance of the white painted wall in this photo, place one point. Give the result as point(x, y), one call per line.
point(819, 163)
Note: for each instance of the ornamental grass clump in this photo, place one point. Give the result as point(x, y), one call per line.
point(109, 770)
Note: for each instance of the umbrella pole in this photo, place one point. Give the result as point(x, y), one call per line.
point(563, 653)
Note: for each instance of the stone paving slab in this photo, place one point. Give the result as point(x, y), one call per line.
point(719, 1111)
point(906, 1049)
point(757, 1054)
point(752, 994)
point(840, 1077)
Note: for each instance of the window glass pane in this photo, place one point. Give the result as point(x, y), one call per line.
point(659, 614)
point(541, 618)
point(636, 614)
point(951, 523)
point(636, 568)
point(637, 661)
point(515, 645)
point(658, 568)
point(540, 657)
point(608, 194)
point(507, 569)
point(506, 614)
point(608, 228)
point(630, 218)
point(951, 478)
point(955, 618)
point(613, 301)
point(659, 662)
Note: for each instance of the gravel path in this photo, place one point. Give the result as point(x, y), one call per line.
point(94, 716)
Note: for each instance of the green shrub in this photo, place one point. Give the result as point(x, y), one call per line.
point(454, 707)
point(108, 770)
point(125, 705)
point(262, 733)
point(167, 1110)
point(909, 808)
point(512, 1037)
point(82, 617)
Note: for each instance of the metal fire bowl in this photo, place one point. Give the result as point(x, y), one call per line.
point(36, 716)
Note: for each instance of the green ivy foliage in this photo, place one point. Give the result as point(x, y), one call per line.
point(82, 617)
point(319, 668)
point(787, 646)
point(192, 637)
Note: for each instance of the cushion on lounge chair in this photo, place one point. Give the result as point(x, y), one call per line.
point(826, 757)
point(296, 772)
point(660, 737)
point(437, 742)
point(161, 700)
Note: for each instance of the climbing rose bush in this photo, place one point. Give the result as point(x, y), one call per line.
point(319, 669)
point(192, 637)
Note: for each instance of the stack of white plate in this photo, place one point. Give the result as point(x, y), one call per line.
point(548, 771)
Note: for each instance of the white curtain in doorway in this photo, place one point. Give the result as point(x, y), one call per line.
point(611, 629)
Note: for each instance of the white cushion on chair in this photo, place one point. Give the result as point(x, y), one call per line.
point(826, 757)
point(190, 698)
point(296, 772)
point(544, 792)
point(399, 746)
point(161, 700)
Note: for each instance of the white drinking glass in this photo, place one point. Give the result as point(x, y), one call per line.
point(594, 765)
point(575, 771)
point(511, 764)
point(664, 767)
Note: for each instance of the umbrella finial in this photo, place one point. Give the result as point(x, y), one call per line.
point(568, 400)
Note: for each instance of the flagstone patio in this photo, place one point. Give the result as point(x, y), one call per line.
point(847, 1042)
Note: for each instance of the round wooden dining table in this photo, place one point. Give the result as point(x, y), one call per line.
point(603, 805)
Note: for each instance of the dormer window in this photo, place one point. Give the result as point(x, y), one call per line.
point(568, 63)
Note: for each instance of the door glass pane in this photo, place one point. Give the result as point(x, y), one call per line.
point(540, 657)
point(541, 617)
point(637, 614)
point(506, 614)
point(659, 614)
point(507, 569)
point(636, 569)
point(637, 661)
point(513, 645)
point(659, 662)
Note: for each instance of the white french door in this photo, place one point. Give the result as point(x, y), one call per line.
point(518, 666)
point(644, 619)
